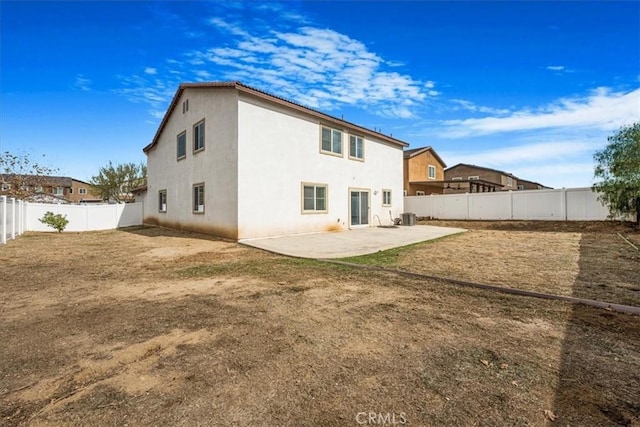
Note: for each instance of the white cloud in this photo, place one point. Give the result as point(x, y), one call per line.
point(470, 106)
point(555, 67)
point(602, 109)
point(317, 67)
point(82, 83)
point(525, 153)
point(228, 27)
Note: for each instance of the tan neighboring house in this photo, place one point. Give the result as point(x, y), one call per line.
point(466, 178)
point(48, 189)
point(423, 172)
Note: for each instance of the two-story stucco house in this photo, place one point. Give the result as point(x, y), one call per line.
point(236, 162)
point(423, 172)
point(463, 178)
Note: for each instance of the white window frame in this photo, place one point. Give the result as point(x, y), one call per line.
point(39, 189)
point(509, 182)
point(386, 194)
point(431, 168)
point(356, 139)
point(199, 136)
point(333, 144)
point(456, 178)
point(520, 187)
point(71, 191)
point(198, 198)
point(82, 190)
point(182, 135)
point(473, 178)
point(315, 187)
point(58, 191)
point(162, 207)
point(419, 193)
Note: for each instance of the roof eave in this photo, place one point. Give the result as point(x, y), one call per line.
point(264, 95)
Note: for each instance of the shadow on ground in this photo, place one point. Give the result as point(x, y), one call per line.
point(594, 388)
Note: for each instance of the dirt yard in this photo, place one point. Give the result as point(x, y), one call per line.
point(156, 327)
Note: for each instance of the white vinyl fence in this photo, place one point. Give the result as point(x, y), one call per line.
point(17, 217)
point(564, 204)
point(85, 217)
point(11, 218)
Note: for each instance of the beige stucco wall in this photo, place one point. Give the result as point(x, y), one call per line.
point(279, 149)
point(216, 166)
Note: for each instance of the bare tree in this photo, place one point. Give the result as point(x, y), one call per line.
point(22, 176)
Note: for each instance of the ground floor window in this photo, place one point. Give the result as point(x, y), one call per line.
point(314, 198)
point(386, 197)
point(198, 198)
point(162, 201)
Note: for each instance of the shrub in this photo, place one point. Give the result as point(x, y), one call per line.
point(58, 221)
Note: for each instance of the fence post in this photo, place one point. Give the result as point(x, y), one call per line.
point(3, 220)
point(13, 218)
point(20, 217)
point(511, 205)
point(467, 216)
point(430, 206)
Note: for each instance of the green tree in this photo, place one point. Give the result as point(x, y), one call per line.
point(115, 182)
point(22, 176)
point(618, 169)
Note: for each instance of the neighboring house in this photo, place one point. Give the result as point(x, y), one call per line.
point(47, 189)
point(466, 178)
point(423, 172)
point(523, 184)
point(236, 162)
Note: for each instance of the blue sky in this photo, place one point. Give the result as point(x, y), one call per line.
point(533, 88)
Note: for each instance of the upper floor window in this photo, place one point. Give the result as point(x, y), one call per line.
point(456, 178)
point(82, 191)
point(331, 141)
point(71, 191)
point(356, 147)
point(473, 178)
point(198, 136)
point(182, 145)
point(185, 106)
point(58, 191)
point(509, 181)
point(432, 172)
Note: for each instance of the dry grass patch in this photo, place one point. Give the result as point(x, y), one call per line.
point(169, 328)
point(587, 260)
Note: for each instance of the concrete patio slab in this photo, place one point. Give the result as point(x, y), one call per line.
point(350, 243)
